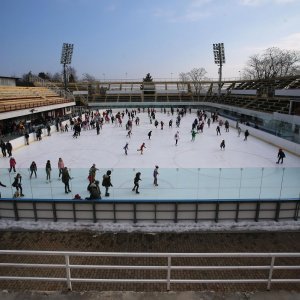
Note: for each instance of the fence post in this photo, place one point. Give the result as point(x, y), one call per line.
point(271, 273)
point(169, 273)
point(68, 272)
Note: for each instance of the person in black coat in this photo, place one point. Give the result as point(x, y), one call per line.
point(281, 156)
point(94, 190)
point(1, 184)
point(8, 147)
point(18, 184)
point(65, 178)
point(107, 182)
point(3, 148)
point(26, 138)
point(222, 145)
point(136, 180)
point(33, 169)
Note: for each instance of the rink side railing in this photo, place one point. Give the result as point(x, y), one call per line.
point(164, 268)
point(149, 211)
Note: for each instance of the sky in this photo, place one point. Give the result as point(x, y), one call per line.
point(126, 39)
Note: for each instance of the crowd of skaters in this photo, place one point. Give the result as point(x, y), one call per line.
point(94, 120)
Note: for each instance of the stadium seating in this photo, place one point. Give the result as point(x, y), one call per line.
point(16, 98)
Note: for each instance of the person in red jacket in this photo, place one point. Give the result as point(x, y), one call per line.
point(142, 148)
point(12, 164)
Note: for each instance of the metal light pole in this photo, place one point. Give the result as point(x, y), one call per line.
point(66, 58)
point(219, 55)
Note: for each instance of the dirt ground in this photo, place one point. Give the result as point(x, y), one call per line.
point(145, 242)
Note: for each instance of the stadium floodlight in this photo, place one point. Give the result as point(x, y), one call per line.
point(66, 53)
point(66, 58)
point(219, 56)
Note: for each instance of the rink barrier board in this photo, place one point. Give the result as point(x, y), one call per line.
point(165, 211)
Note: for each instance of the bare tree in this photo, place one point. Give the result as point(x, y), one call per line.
point(57, 77)
point(71, 74)
point(274, 62)
point(87, 77)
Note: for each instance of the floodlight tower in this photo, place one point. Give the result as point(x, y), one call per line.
point(66, 58)
point(219, 55)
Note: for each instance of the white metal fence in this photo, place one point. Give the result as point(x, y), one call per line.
point(168, 266)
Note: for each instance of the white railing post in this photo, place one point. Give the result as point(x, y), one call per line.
point(169, 273)
point(271, 273)
point(68, 272)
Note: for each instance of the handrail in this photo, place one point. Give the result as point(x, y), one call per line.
point(168, 267)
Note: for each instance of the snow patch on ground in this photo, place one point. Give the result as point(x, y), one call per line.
point(150, 227)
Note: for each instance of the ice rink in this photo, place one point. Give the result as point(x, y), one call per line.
point(177, 164)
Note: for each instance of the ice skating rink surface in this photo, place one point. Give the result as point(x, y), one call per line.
point(106, 151)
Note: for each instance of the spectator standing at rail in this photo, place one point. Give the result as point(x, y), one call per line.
point(136, 180)
point(9, 148)
point(281, 156)
point(33, 169)
point(48, 170)
point(94, 190)
point(3, 148)
point(12, 164)
point(155, 174)
point(60, 166)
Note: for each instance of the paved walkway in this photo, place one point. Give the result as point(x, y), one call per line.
point(282, 295)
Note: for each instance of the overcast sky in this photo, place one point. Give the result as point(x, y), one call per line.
point(119, 39)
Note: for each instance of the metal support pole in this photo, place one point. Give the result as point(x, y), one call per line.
point(169, 273)
point(68, 272)
point(271, 273)
point(65, 77)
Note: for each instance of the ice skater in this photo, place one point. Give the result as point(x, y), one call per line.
point(142, 148)
point(193, 135)
point(155, 174)
point(106, 182)
point(48, 170)
point(60, 166)
point(218, 130)
point(149, 134)
point(281, 156)
point(239, 131)
point(18, 185)
point(33, 169)
point(12, 164)
point(65, 178)
point(246, 134)
point(222, 145)
point(136, 180)
point(129, 133)
point(176, 137)
point(126, 148)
